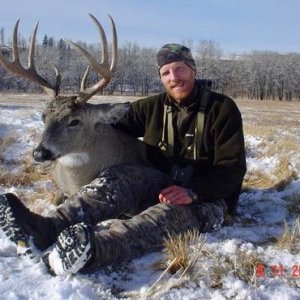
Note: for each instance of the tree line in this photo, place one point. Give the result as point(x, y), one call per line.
point(262, 75)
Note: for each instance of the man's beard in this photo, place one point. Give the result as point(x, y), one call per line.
point(180, 94)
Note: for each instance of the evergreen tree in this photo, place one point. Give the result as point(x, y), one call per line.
point(51, 42)
point(45, 40)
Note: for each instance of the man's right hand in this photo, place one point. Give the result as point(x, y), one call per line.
point(175, 195)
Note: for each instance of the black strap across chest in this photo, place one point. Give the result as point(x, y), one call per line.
point(167, 140)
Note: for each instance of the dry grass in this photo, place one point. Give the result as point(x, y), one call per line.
point(287, 144)
point(259, 131)
point(184, 261)
point(29, 177)
point(290, 238)
point(5, 142)
point(27, 174)
point(26, 171)
point(178, 249)
point(180, 258)
point(278, 178)
point(272, 145)
point(276, 125)
point(241, 265)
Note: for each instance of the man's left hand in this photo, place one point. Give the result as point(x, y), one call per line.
point(175, 195)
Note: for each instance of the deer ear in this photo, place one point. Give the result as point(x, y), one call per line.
point(113, 113)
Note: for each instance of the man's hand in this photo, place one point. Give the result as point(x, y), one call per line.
point(175, 195)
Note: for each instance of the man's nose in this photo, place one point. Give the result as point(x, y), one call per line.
point(173, 75)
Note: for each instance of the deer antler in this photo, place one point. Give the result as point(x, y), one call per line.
point(30, 72)
point(102, 68)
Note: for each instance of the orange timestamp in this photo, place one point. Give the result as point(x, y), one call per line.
point(277, 270)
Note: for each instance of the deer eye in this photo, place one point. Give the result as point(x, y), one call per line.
point(73, 123)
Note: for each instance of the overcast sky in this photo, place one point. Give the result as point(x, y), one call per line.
point(236, 25)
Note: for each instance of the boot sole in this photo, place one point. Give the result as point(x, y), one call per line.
point(72, 250)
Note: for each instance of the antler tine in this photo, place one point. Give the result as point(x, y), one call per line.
point(84, 78)
point(30, 73)
point(32, 48)
point(114, 46)
point(103, 39)
point(102, 68)
point(15, 43)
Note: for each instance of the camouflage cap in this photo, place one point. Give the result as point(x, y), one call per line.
point(175, 52)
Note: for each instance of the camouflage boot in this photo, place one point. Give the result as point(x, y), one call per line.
point(19, 224)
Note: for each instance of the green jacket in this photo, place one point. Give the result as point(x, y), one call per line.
point(221, 166)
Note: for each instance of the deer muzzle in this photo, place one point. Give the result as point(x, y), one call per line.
point(40, 154)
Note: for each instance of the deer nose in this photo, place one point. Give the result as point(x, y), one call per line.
point(40, 154)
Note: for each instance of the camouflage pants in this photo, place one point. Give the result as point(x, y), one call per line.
point(133, 190)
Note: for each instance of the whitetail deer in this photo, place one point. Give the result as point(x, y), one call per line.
point(78, 136)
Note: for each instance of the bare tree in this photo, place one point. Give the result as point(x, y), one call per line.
point(207, 54)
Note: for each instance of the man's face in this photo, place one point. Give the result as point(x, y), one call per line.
point(178, 80)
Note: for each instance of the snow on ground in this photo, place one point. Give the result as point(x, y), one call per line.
point(259, 220)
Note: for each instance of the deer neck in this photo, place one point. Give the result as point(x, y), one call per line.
point(75, 160)
point(73, 171)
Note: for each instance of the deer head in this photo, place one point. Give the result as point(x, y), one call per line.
point(68, 118)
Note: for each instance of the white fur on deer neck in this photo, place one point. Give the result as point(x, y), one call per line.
point(75, 159)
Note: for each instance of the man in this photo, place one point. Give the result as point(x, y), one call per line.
point(195, 143)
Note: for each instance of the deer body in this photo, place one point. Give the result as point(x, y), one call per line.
point(78, 136)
